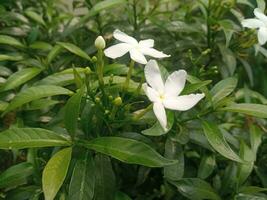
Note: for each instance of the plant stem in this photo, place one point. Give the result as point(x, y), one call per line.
point(129, 74)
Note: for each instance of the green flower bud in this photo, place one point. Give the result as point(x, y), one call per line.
point(100, 43)
point(94, 59)
point(117, 101)
point(87, 70)
point(97, 100)
point(110, 97)
point(111, 79)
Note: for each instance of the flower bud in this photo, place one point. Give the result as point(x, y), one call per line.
point(100, 43)
point(87, 70)
point(117, 101)
point(97, 100)
point(110, 97)
point(94, 59)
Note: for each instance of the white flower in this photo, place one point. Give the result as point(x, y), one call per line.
point(100, 43)
point(167, 95)
point(137, 50)
point(260, 22)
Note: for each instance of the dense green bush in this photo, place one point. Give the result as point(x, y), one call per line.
point(81, 118)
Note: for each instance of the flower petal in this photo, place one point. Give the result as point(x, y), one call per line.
point(153, 76)
point(150, 93)
point(153, 53)
point(252, 23)
point(175, 83)
point(160, 113)
point(260, 15)
point(183, 103)
point(123, 37)
point(117, 50)
point(137, 56)
point(262, 35)
point(146, 43)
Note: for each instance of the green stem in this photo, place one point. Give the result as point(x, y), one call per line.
point(142, 113)
point(129, 74)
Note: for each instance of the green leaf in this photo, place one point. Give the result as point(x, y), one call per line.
point(34, 93)
point(128, 150)
point(20, 138)
point(106, 4)
point(35, 16)
point(206, 166)
point(4, 57)
point(255, 138)
point(53, 53)
point(157, 130)
point(97, 8)
point(246, 168)
point(252, 109)
point(194, 87)
point(82, 182)
point(105, 185)
point(223, 89)
point(218, 142)
point(20, 77)
point(72, 111)
point(121, 196)
point(3, 105)
point(41, 104)
point(40, 45)
point(228, 58)
point(174, 150)
point(55, 172)
point(16, 175)
point(195, 189)
point(4, 39)
point(251, 189)
point(75, 50)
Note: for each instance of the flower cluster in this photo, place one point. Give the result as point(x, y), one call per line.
point(162, 95)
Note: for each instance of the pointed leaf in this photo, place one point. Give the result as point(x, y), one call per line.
point(82, 182)
point(16, 175)
point(218, 142)
point(4, 39)
point(20, 77)
point(75, 50)
point(55, 172)
point(223, 89)
point(195, 189)
point(20, 138)
point(128, 150)
point(72, 111)
point(34, 93)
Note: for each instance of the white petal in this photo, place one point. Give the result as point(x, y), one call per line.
point(262, 35)
point(160, 113)
point(137, 56)
point(151, 93)
point(153, 53)
point(260, 15)
point(123, 37)
point(252, 23)
point(117, 50)
point(175, 83)
point(153, 76)
point(147, 43)
point(183, 103)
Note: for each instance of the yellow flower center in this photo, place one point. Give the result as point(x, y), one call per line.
point(162, 97)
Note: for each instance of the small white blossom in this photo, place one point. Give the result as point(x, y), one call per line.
point(137, 50)
point(167, 95)
point(100, 43)
point(260, 23)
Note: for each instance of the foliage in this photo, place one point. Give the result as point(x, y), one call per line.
point(76, 124)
